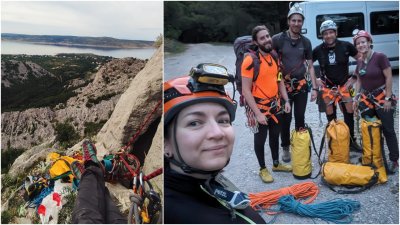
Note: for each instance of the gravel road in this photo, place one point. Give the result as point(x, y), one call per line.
point(379, 205)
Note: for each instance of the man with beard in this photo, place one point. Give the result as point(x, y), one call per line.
point(262, 96)
point(333, 58)
point(295, 53)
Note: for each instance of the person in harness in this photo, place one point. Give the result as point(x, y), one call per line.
point(335, 81)
point(374, 92)
point(93, 203)
point(262, 95)
point(198, 143)
point(295, 53)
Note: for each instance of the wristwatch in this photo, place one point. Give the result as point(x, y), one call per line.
point(388, 98)
point(315, 89)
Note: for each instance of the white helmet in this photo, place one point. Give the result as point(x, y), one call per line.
point(295, 9)
point(327, 25)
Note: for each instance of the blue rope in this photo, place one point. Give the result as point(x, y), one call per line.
point(336, 210)
point(38, 200)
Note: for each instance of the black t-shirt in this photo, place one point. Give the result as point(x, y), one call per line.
point(334, 61)
point(292, 53)
point(186, 203)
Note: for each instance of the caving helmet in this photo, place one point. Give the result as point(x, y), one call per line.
point(205, 83)
point(327, 25)
point(361, 33)
point(295, 9)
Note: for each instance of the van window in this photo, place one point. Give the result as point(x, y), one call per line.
point(346, 23)
point(386, 22)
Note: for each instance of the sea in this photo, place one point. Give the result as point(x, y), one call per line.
point(11, 47)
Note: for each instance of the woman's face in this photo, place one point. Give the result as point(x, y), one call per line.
point(204, 136)
point(363, 45)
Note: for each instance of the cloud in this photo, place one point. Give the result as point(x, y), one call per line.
point(126, 19)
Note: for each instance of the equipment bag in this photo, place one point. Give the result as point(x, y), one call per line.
point(300, 142)
point(338, 135)
point(372, 147)
point(349, 176)
point(61, 166)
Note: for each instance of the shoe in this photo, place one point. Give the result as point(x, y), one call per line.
point(393, 166)
point(286, 154)
point(354, 147)
point(266, 177)
point(89, 154)
point(77, 169)
point(282, 168)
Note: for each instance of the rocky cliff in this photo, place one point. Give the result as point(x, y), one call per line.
point(93, 103)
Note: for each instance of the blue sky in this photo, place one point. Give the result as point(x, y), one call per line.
point(134, 20)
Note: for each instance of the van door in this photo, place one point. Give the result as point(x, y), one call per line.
point(383, 24)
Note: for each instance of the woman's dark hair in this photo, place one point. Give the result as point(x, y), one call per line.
point(256, 30)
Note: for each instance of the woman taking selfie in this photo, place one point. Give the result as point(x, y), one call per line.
point(198, 143)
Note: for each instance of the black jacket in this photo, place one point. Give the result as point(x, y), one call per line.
point(186, 203)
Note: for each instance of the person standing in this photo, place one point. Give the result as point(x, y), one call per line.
point(335, 80)
point(375, 96)
point(295, 53)
point(262, 96)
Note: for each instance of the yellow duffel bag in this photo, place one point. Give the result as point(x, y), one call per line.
point(348, 175)
point(300, 142)
point(60, 166)
point(338, 135)
point(373, 147)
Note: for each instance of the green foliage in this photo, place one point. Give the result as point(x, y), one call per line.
point(6, 217)
point(159, 41)
point(92, 128)
point(220, 21)
point(173, 46)
point(45, 88)
point(8, 157)
point(66, 134)
point(65, 215)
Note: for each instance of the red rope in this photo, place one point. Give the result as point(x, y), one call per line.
point(153, 174)
point(141, 128)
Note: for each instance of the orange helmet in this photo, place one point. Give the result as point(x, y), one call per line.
point(185, 91)
point(361, 33)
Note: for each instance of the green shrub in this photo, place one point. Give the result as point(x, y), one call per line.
point(8, 157)
point(6, 217)
point(66, 134)
point(91, 128)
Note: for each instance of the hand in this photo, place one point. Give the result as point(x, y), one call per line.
point(261, 119)
point(314, 95)
point(320, 83)
point(287, 107)
point(387, 105)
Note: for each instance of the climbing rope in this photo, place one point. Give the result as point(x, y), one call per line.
point(141, 127)
point(264, 200)
point(336, 210)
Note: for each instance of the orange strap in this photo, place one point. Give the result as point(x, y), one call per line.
point(267, 199)
point(336, 94)
point(291, 88)
point(265, 105)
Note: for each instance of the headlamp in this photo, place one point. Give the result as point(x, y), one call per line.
point(208, 73)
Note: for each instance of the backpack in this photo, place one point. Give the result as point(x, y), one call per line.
point(338, 135)
point(243, 46)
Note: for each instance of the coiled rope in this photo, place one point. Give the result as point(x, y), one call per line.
point(336, 210)
point(264, 200)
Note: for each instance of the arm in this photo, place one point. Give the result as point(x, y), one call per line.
point(358, 94)
point(314, 91)
point(282, 91)
point(247, 84)
point(388, 82)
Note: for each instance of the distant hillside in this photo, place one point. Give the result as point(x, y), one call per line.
point(76, 41)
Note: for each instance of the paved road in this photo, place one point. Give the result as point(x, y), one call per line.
point(379, 205)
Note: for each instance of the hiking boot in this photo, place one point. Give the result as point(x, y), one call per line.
point(89, 154)
point(392, 167)
point(354, 147)
point(281, 168)
point(286, 154)
point(77, 169)
point(266, 177)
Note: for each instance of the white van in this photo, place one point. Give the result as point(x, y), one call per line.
point(379, 18)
